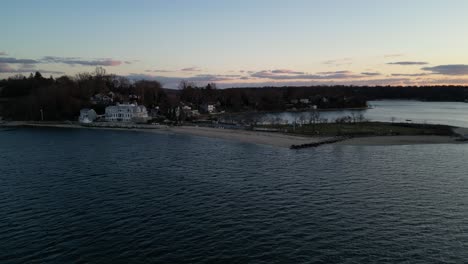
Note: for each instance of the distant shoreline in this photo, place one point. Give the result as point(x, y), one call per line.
point(264, 138)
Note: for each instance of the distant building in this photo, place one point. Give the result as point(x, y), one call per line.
point(126, 113)
point(87, 116)
point(102, 99)
point(208, 108)
point(304, 101)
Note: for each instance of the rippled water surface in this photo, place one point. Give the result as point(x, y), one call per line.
point(85, 196)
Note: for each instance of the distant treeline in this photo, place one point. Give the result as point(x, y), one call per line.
point(25, 98)
point(423, 93)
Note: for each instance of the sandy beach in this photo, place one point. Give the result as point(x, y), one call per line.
point(254, 137)
point(266, 138)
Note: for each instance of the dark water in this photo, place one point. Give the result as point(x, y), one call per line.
point(83, 196)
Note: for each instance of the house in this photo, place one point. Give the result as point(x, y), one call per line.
point(304, 101)
point(87, 116)
point(126, 113)
point(208, 108)
point(102, 99)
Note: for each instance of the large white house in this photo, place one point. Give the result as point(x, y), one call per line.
point(126, 113)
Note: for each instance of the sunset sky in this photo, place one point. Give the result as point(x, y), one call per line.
point(241, 43)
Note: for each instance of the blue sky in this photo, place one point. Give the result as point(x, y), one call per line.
point(238, 43)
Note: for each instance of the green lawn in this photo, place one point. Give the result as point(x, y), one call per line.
point(366, 129)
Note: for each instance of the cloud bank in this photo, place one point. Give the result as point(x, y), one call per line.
point(79, 61)
point(5, 68)
point(408, 63)
point(450, 69)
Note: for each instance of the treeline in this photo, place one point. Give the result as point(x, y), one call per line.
point(266, 99)
point(423, 93)
point(27, 98)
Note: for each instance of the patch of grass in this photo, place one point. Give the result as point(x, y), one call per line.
point(366, 129)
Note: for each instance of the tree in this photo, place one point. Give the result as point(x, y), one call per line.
point(150, 93)
point(99, 72)
point(314, 117)
point(38, 76)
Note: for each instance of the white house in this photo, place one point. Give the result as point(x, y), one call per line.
point(208, 108)
point(126, 113)
point(87, 116)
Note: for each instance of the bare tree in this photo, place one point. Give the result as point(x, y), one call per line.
point(314, 117)
point(99, 72)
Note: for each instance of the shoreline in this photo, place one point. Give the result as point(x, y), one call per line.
point(265, 138)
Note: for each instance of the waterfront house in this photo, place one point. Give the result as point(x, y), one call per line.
point(126, 113)
point(87, 116)
point(208, 108)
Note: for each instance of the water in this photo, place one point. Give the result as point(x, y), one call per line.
point(87, 196)
point(445, 113)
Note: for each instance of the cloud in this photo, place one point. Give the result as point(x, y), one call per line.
point(284, 71)
point(172, 82)
point(2, 53)
point(191, 69)
point(371, 73)
point(159, 71)
point(27, 66)
point(395, 55)
point(451, 69)
point(130, 61)
point(374, 82)
point(339, 62)
point(457, 81)
point(5, 68)
point(409, 74)
point(78, 61)
point(334, 72)
point(17, 61)
point(408, 63)
point(319, 76)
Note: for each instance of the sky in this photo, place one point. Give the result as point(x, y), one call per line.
point(240, 43)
